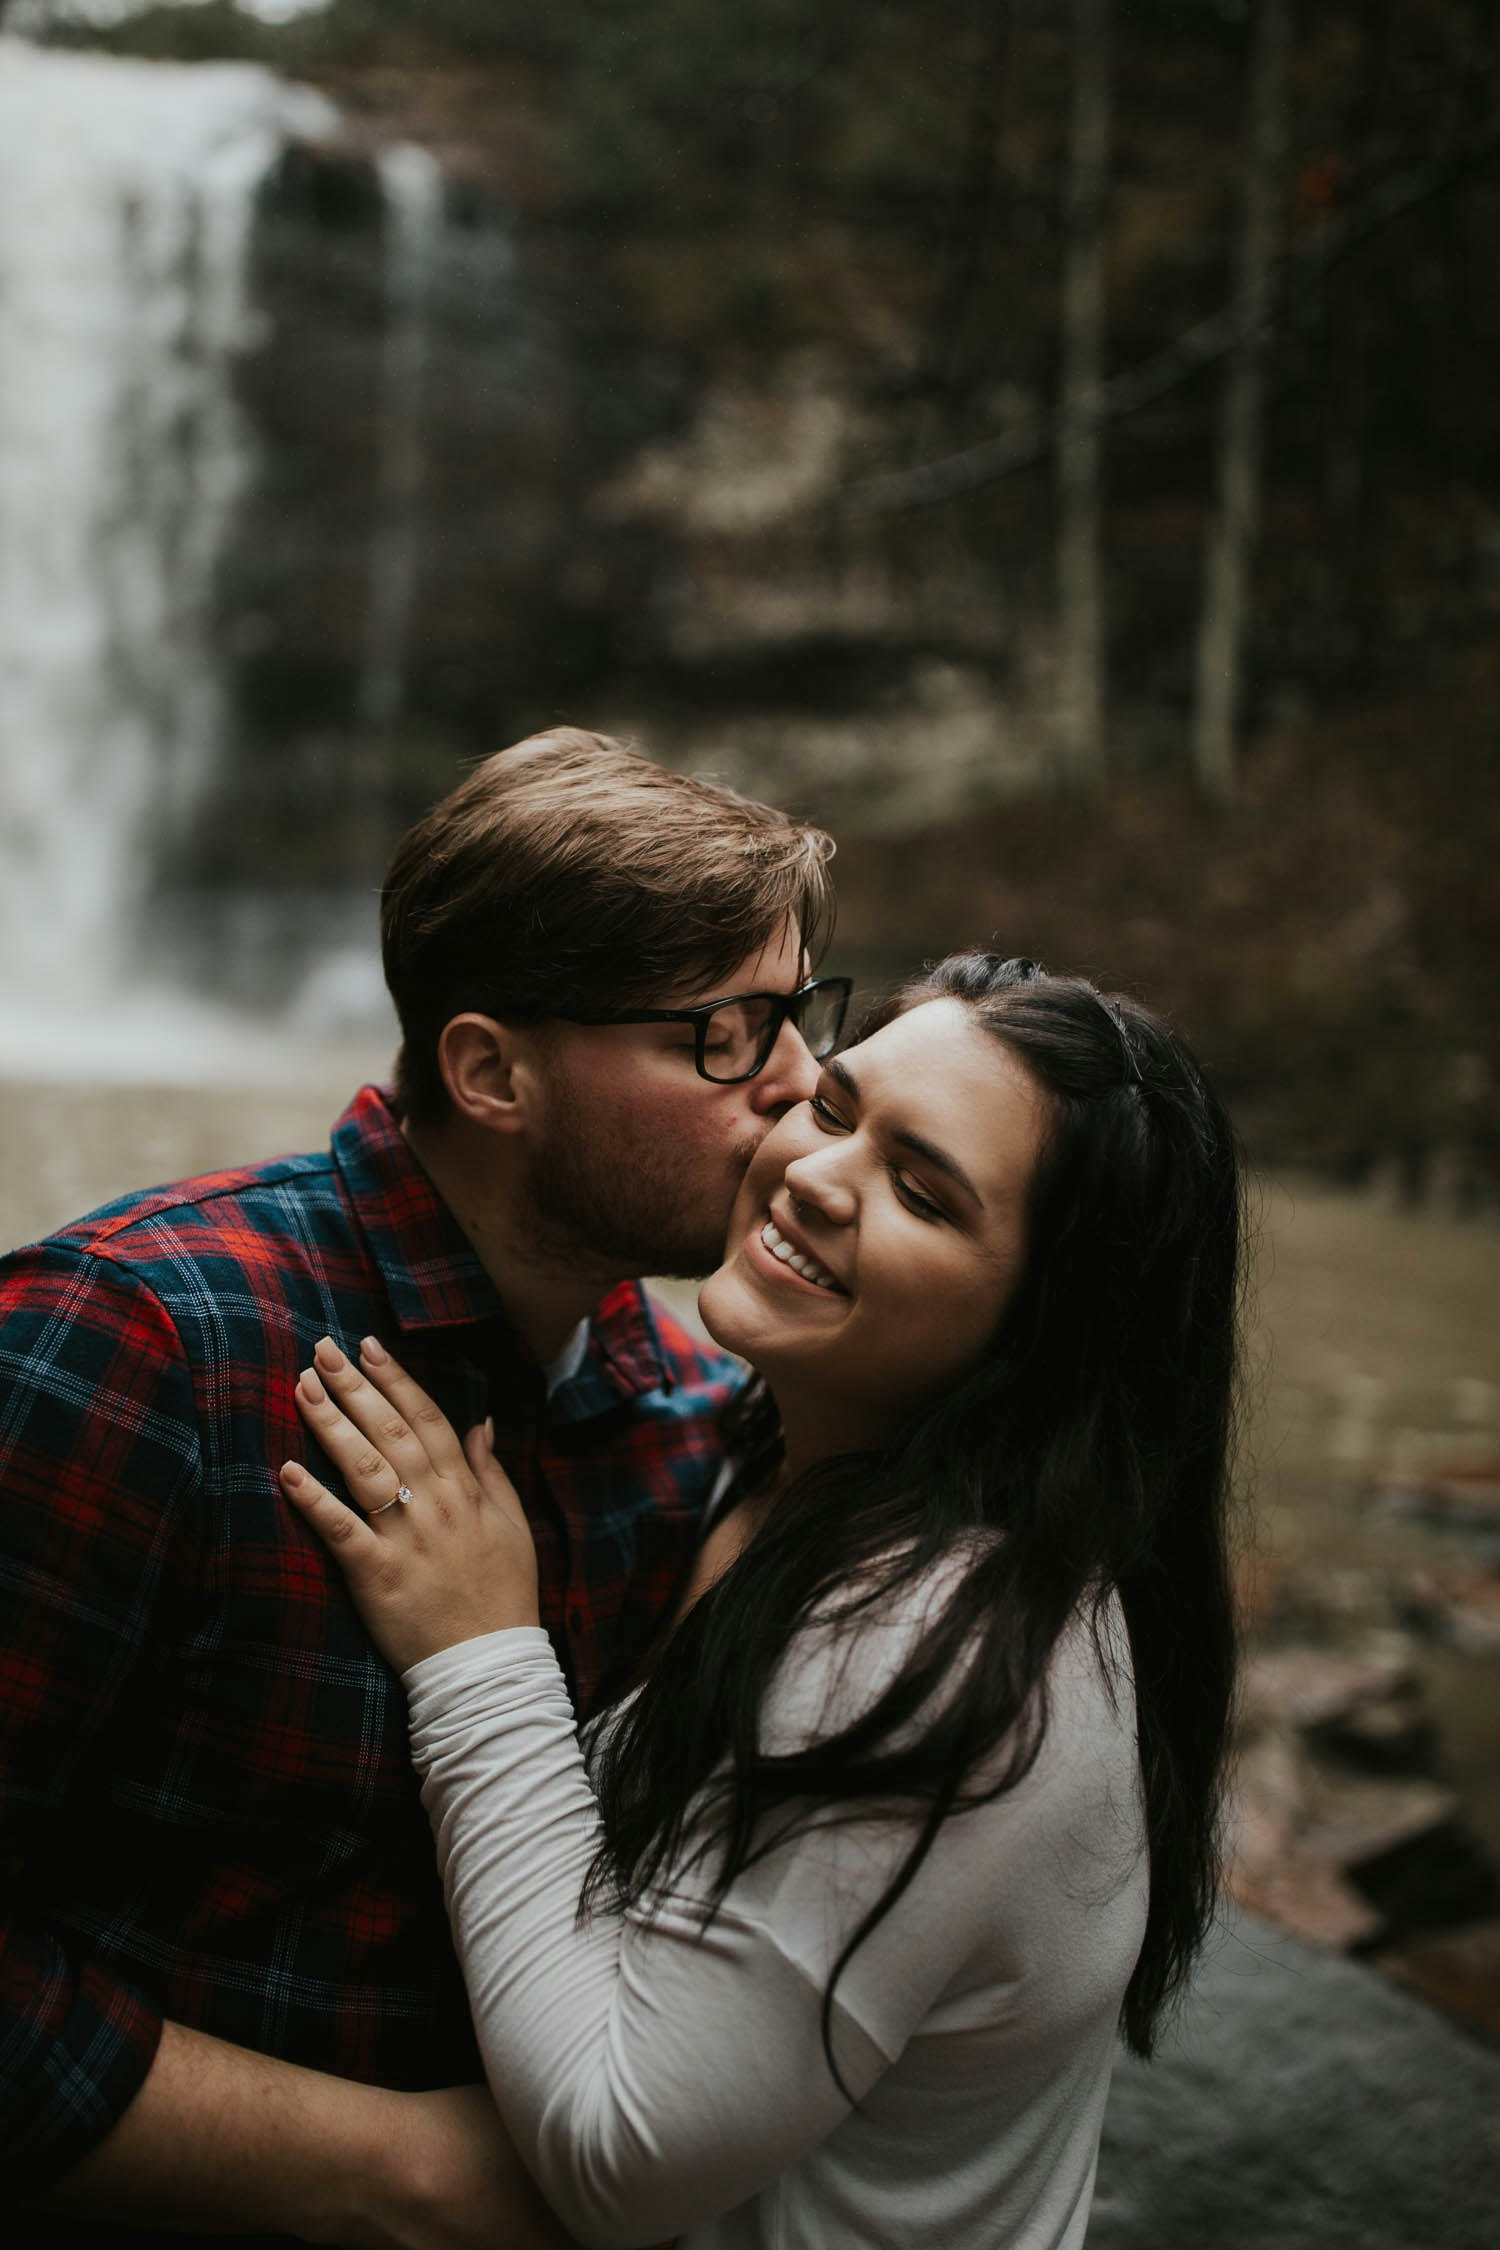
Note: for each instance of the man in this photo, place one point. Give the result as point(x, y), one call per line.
point(213, 1852)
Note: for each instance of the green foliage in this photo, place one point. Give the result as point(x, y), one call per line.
point(668, 93)
point(717, 181)
point(695, 102)
point(216, 31)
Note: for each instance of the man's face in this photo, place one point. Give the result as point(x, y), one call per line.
point(638, 1159)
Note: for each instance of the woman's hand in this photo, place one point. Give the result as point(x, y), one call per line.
point(442, 1550)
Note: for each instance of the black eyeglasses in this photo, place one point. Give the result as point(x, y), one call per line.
point(733, 1037)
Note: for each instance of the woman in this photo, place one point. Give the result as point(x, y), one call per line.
point(916, 1806)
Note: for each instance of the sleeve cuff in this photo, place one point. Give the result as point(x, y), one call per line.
point(97, 2066)
point(482, 1657)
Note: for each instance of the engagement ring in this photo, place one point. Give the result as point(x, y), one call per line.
point(403, 1494)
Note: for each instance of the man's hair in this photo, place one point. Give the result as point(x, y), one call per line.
point(570, 875)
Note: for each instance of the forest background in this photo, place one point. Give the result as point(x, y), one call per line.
point(1058, 445)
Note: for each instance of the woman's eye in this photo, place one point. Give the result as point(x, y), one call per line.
point(826, 1115)
point(911, 1195)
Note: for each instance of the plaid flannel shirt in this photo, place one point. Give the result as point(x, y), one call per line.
point(207, 1805)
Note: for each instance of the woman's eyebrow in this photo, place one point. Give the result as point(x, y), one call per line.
point(842, 1076)
point(941, 1159)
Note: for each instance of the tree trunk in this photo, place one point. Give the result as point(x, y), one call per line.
point(1353, 548)
point(1080, 568)
point(976, 193)
point(1221, 635)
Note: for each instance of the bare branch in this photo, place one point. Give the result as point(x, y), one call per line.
point(1080, 573)
point(1231, 545)
point(1299, 276)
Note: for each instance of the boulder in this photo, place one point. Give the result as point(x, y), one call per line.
point(1300, 2103)
point(1457, 1970)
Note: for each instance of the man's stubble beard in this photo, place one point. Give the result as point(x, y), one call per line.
point(627, 1209)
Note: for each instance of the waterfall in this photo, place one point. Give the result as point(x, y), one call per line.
point(127, 196)
point(342, 984)
point(412, 183)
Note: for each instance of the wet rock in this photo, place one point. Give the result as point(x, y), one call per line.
point(1301, 2104)
point(1456, 1970)
point(1341, 1828)
point(1327, 1605)
point(1270, 1806)
point(1310, 1686)
point(1433, 1875)
point(1343, 1859)
point(1462, 1496)
point(1356, 1824)
point(1389, 1734)
point(1311, 1902)
point(1461, 1608)
point(1267, 1802)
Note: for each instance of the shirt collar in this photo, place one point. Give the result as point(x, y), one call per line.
point(624, 1358)
point(431, 1275)
point(434, 1279)
point(567, 1362)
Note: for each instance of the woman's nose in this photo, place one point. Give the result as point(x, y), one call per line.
point(819, 1180)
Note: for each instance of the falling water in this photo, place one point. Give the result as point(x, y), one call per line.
point(126, 201)
point(412, 183)
point(342, 984)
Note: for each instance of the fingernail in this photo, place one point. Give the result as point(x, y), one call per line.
point(373, 1349)
point(311, 1389)
point(327, 1353)
point(292, 1472)
point(489, 1431)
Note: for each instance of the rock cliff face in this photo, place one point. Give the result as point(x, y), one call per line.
point(513, 465)
point(1301, 2105)
point(481, 501)
point(417, 574)
point(462, 494)
point(298, 463)
point(569, 394)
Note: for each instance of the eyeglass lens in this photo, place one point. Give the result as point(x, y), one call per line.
point(739, 1036)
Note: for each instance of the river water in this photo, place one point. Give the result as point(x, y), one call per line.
point(1375, 1374)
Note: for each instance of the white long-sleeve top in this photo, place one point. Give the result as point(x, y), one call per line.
point(661, 2079)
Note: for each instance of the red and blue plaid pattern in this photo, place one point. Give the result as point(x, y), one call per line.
point(207, 1806)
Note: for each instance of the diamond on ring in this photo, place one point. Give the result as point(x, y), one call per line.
point(398, 1500)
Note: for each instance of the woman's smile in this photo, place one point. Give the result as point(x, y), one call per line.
point(880, 1226)
point(793, 1256)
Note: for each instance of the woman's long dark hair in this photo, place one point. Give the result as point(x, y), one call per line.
point(1094, 1434)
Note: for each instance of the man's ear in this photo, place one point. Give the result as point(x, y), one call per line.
point(490, 1071)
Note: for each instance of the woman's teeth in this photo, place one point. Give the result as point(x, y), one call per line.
point(779, 1247)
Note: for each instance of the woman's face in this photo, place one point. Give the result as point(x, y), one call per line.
point(879, 1230)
